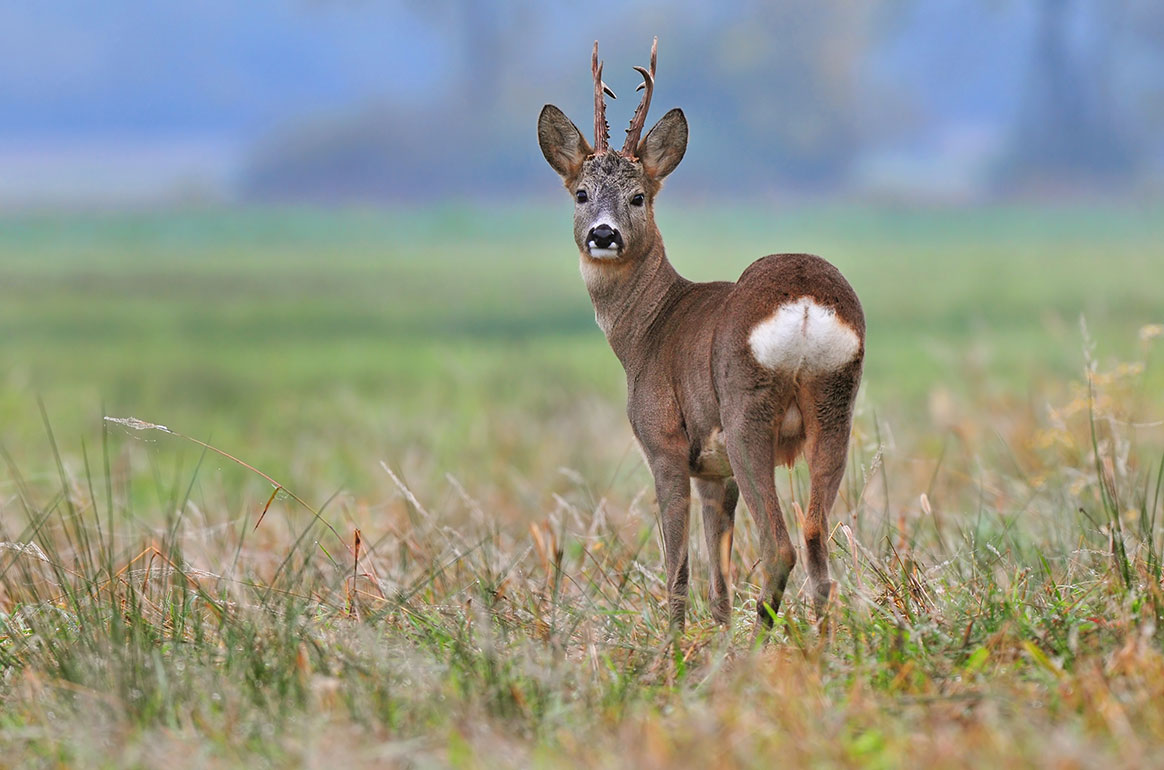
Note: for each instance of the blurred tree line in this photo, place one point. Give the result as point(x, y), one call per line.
point(1091, 108)
point(780, 95)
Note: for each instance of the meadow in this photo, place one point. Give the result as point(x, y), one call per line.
point(378, 504)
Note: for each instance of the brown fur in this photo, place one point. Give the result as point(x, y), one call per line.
point(694, 389)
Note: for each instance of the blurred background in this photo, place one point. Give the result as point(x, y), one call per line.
point(127, 103)
point(321, 233)
point(320, 236)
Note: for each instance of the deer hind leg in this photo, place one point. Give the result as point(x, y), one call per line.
point(751, 452)
point(718, 499)
point(828, 422)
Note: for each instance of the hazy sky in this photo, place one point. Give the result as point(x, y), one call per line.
point(134, 95)
point(219, 67)
point(223, 67)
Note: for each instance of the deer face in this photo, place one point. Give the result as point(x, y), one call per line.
point(614, 193)
point(613, 212)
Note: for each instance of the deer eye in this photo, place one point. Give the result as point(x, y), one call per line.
point(637, 200)
point(581, 196)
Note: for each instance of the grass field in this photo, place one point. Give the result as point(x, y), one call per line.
point(459, 566)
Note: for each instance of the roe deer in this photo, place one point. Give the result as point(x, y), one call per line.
point(724, 380)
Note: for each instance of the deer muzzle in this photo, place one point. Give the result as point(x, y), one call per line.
point(604, 242)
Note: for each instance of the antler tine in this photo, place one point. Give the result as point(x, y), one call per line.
point(640, 116)
point(601, 127)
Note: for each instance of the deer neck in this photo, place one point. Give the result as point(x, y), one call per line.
point(628, 298)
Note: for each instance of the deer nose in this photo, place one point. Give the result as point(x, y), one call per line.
point(603, 237)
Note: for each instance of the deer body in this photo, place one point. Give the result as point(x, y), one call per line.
point(724, 380)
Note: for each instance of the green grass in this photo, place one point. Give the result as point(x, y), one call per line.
point(998, 540)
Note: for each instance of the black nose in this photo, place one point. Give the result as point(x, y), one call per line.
point(604, 236)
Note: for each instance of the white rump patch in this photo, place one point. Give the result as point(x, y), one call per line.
point(803, 336)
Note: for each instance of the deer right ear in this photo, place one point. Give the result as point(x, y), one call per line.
point(562, 143)
point(665, 144)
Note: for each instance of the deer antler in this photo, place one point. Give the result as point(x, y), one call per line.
point(640, 116)
point(601, 127)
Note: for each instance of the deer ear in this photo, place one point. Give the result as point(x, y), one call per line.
point(663, 147)
point(562, 143)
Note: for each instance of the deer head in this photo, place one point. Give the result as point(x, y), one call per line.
point(614, 192)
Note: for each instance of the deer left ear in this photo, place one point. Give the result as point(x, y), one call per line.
point(562, 143)
point(664, 146)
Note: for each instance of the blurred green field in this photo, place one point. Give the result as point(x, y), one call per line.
point(442, 331)
point(496, 600)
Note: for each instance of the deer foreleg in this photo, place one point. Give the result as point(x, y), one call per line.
point(673, 488)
